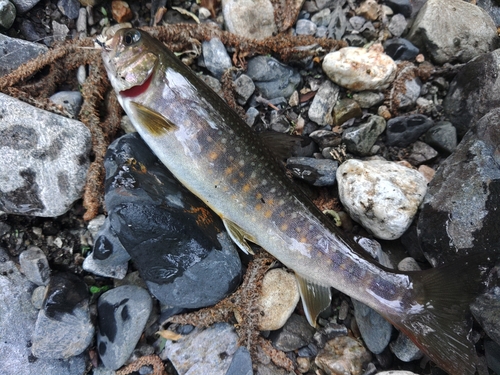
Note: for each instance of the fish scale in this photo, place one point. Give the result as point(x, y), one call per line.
point(213, 152)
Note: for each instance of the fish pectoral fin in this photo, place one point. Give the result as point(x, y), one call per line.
point(315, 298)
point(152, 121)
point(239, 236)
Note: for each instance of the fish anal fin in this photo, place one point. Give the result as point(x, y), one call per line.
point(151, 120)
point(440, 321)
point(239, 236)
point(315, 298)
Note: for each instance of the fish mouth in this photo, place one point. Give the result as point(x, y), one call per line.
point(138, 89)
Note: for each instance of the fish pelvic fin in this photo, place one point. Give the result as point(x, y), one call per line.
point(441, 324)
point(151, 120)
point(315, 298)
point(239, 236)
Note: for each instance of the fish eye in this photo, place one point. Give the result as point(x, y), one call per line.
point(131, 37)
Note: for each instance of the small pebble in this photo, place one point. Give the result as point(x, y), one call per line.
point(322, 105)
point(404, 130)
point(35, 266)
point(343, 355)
point(7, 14)
point(317, 172)
point(305, 27)
point(215, 56)
point(120, 11)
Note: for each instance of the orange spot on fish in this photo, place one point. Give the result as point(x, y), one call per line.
point(258, 207)
point(246, 188)
point(284, 227)
point(258, 196)
point(213, 156)
point(228, 171)
point(268, 214)
point(303, 240)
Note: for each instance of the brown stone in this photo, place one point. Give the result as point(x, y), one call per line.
point(121, 11)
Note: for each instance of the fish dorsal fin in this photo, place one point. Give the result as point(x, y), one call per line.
point(315, 298)
point(151, 120)
point(239, 236)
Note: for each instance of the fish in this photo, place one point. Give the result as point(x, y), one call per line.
point(218, 157)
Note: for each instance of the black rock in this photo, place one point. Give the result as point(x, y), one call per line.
point(241, 363)
point(295, 334)
point(404, 130)
point(400, 6)
point(177, 243)
point(400, 49)
point(486, 310)
point(460, 213)
point(317, 172)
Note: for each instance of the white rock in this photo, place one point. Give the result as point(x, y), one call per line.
point(452, 30)
point(381, 195)
point(279, 298)
point(360, 69)
point(249, 18)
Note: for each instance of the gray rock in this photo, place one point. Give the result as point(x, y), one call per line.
point(375, 330)
point(35, 266)
point(249, 18)
point(397, 25)
point(273, 78)
point(108, 257)
point(241, 363)
point(407, 97)
point(44, 160)
point(360, 139)
point(325, 138)
point(405, 349)
point(15, 52)
point(17, 321)
point(251, 114)
point(452, 30)
point(486, 309)
point(323, 102)
point(295, 334)
point(368, 99)
point(492, 350)
point(38, 296)
point(346, 109)
point(338, 21)
point(123, 313)
point(203, 351)
point(403, 7)
point(317, 172)
point(321, 18)
point(244, 87)
point(70, 8)
point(421, 153)
point(7, 14)
point(492, 8)
point(23, 6)
point(71, 101)
point(404, 130)
point(305, 27)
point(400, 49)
point(442, 137)
point(474, 91)
point(63, 328)
point(216, 57)
point(460, 218)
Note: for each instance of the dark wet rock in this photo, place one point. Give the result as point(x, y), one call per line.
point(421, 153)
point(405, 349)
point(108, 257)
point(34, 265)
point(295, 334)
point(368, 99)
point(241, 363)
point(317, 172)
point(244, 87)
point(44, 159)
point(179, 246)
point(492, 8)
point(346, 109)
point(492, 350)
point(375, 330)
point(486, 310)
point(442, 137)
point(272, 78)
point(63, 328)
point(123, 313)
point(325, 138)
point(7, 14)
point(407, 97)
point(361, 138)
point(203, 351)
point(17, 322)
point(71, 101)
point(323, 102)
point(400, 49)
point(23, 6)
point(400, 6)
point(70, 8)
point(215, 57)
point(404, 130)
point(474, 91)
point(459, 215)
point(15, 52)
point(452, 31)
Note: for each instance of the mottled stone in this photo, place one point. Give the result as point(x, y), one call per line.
point(44, 161)
point(71, 101)
point(346, 109)
point(279, 297)
point(123, 313)
point(7, 14)
point(323, 102)
point(486, 310)
point(295, 334)
point(405, 349)
point(442, 137)
point(317, 172)
point(215, 57)
point(381, 195)
point(360, 69)
point(15, 52)
point(23, 6)
point(244, 88)
point(361, 138)
point(404, 130)
point(421, 153)
point(343, 355)
point(35, 266)
point(249, 18)
point(368, 99)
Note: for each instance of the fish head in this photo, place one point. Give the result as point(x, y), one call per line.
point(130, 57)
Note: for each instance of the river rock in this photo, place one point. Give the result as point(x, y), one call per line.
point(375, 330)
point(400, 49)
point(215, 57)
point(317, 172)
point(44, 161)
point(63, 328)
point(442, 137)
point(381, 195)
point(404, 130)
point(460, 218)
point(179, 246)
point(279, 297)
point(35, 266)
point(361, 138)
point(343, 355)
point(368, 99)
point(71, 101)
point(7, 14)
point(241, 363)
point(486, 310)
point(360, 69)
point(23, 6)
point(295, 334)
point(323, 102)
point(453, 30)
point(249, 18)
point(474, 91)
point(123, 313)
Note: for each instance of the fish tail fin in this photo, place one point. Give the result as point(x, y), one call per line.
point(442, 324)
